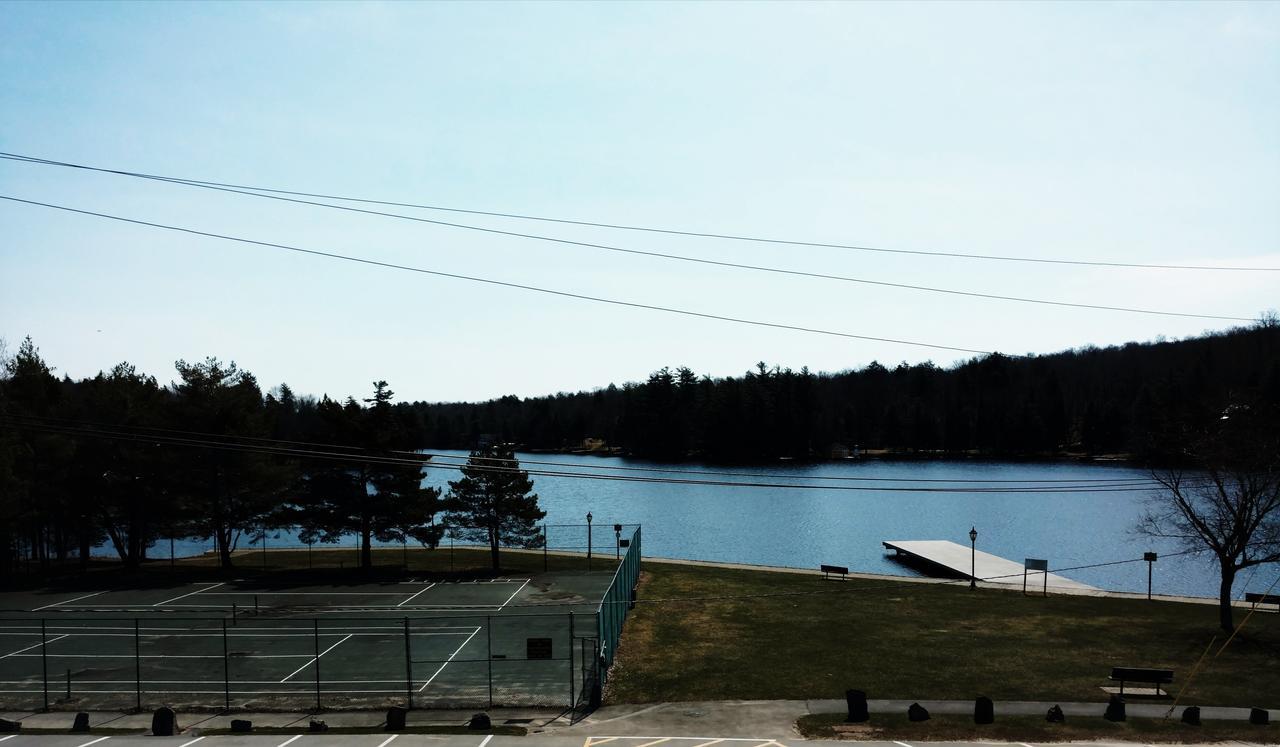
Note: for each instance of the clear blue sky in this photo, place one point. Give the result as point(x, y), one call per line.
point(1111, 131)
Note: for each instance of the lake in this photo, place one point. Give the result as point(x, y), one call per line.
point(805, 528)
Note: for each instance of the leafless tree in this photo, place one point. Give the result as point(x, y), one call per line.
point(1228, 501)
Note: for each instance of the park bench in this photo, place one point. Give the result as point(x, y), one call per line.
point(1255, 598)
point(1156, 677)
point(828, 570)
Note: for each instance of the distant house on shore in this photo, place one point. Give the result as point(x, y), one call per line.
point(841, 451)
point(593, 444)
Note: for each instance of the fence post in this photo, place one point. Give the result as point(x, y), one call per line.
point(68, 685)
point(488, 647)
point(44, 662)
point(137, 660)
point(408, 667)
point(226, 668)
point(571, 665)
point(545, 543)
point(315, 637)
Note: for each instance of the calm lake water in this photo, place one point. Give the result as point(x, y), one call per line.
point(804, 528)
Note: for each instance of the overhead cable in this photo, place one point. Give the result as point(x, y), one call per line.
point(502, 283)
point(666, 255)
point(644, 229)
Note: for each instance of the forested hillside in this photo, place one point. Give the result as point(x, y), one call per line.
point(120, 458)
point(1089, 400)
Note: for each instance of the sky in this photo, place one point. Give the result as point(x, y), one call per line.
point(1118, 132)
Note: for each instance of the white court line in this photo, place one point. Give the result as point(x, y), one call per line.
point(197, 591)
point(902, 744)
point(290, 739)
point(156, 656)
point(446, 661)
point(94, 741)
point(388, 740)
point(184, 744)
point(513, 595)
point(38, 645)
point(5, 739)
point(486, 740)
point(314, 660)
point(415, 596)
point(304, 594)
point(68, 601)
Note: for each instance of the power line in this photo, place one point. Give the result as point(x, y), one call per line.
point(124, 435)
point(645, 253)
point(502, 283)
point(644, 229)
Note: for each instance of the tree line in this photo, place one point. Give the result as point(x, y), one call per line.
point(122, 460)
point(1088, 401)
point(66, 488)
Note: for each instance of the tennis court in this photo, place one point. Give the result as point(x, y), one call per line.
point(504, 641)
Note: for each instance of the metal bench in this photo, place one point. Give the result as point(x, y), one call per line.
point(1155, 677)
point(1255, 598)
point(828, 570)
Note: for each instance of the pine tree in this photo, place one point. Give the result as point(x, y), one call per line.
point(494, 501)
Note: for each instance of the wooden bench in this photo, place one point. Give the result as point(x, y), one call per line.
point(1156, 677)
point(1255, 598)
point(828, 570)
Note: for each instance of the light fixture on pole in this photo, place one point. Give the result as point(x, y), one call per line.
point(973, 558)
point(588, 540)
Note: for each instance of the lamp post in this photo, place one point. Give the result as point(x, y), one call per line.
point(617, 541)
point(588, 540)
point(973, 558)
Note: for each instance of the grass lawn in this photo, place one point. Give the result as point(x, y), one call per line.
point(918, 641)
point(1030, 728)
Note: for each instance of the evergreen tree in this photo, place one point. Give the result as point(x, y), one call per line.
point(224, 492)
point(371, 498)
point(494, 501)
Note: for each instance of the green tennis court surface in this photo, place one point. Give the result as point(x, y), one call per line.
point(504, 641)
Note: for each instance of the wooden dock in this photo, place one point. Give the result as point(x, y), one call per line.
point(948, 558)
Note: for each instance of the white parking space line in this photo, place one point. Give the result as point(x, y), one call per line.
point(5, 739)
point(708, 744)
point(68, 601)
point(94, 741)
point(314, 660)
point(655, 742)
point(38, 645)
point(486, 740)
point(1024, 744)
point(184, 744)
point(183, 596)
point(594, 741)
point(410, 599)
point(388, 740)
point(446, 661)
point(290, 739)
point(901, 744)
point(513, 594)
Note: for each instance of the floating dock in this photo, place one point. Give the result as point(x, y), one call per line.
point(951, 559)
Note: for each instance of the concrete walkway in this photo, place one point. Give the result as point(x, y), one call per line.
point(731, 719)
point(774, 719)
